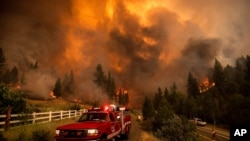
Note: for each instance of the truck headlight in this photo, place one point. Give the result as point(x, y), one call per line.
point(57, 132)
point(92, 132)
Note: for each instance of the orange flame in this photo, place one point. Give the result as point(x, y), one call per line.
point(206, 85)
point(51, 94)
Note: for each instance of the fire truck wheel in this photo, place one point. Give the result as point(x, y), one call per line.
point(103, 139)
point(126, 135)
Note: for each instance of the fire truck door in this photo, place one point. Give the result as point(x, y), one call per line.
point(113, 123)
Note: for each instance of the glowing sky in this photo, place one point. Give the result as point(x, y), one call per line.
point(145, 44)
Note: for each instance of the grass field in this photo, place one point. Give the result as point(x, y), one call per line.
point(43, 132)
point(46, 130)
point(51, 105)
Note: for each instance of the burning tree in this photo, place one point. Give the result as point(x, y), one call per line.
point(123, 97)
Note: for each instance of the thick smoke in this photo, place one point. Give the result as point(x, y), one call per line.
point(144, 44)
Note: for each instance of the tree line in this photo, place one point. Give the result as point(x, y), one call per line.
point(107, 84)
point(12, 97)
point(224, 101)
point(9, 96)
point(64, 87)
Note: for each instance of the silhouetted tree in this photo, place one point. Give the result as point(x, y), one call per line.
point(157, 98)
point(166, 93)
point(100, 78)
point(147, 109)
point(2, 63)
point(6, 77)
point(192, 86)
point(120, 97)
point(110, 86)
point(246, 84)
point(230, 85)
point(58, 88)
point(126, 98)
point(163, 114)
point(106, 83)
point(68, 84)
point(173, 89)
point(10, 77)
point(218, 77)
point(14, 75)
point(239, 73)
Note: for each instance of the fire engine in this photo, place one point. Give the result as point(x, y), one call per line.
point(99, 123)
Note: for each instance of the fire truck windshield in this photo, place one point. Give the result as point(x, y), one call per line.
point(93, 117)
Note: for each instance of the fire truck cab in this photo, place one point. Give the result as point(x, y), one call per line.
point(99, 123)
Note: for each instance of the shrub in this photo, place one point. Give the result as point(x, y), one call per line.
point(75, 107)
point(176, 129)
point(22, 136)
point(147, 125)
point(40, 135)
point(2, 138)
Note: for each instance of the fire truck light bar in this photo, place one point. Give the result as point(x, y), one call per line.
point(122, 108)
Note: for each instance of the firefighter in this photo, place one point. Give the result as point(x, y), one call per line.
point(213, 132)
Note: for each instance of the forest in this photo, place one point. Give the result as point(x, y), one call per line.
point(12, 94)
point(224, 100)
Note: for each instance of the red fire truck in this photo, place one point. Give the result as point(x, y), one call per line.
point(99, 123)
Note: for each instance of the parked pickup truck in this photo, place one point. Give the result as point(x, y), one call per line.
point(198, 122)
point(99, 124)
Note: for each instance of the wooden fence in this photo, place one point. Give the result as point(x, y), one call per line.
point(34, 118)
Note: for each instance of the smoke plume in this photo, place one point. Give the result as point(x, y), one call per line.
point(144, 44)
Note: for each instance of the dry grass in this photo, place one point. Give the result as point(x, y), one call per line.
point(145, 136)
point(24, 133)
point(51, 105)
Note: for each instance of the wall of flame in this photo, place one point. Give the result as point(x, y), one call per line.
point(145, 44)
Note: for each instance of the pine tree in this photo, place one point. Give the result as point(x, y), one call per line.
point(120, 97)
point(112, 89)
point(173, 89)
point(110, 86)
point(100, 78)
point(106, 83)
point(166, 93)
point(58, 88)
point(147, 109)
point(192, 86)
point(14, 75)
point(68, 84)
point(6, 77)
point(10, 77)
point(157, 98)
point(219, 77)
point(2, 63)
point(246, 84)
point(164, 112)
point(126, 98)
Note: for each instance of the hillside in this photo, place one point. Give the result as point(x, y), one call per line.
point(52, 105)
